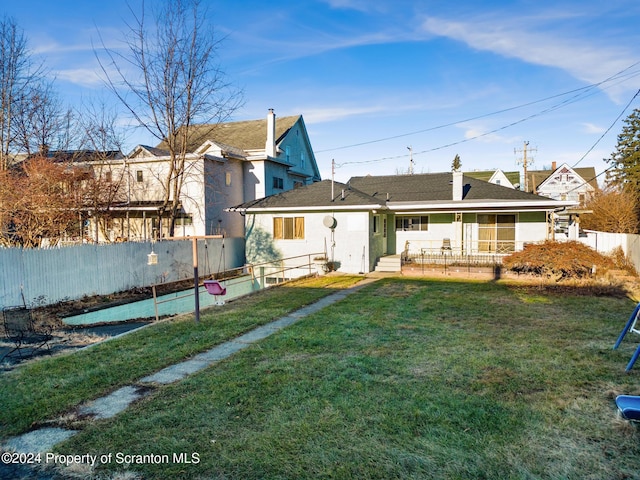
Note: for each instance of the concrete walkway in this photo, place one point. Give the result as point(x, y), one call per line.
point(44, 439)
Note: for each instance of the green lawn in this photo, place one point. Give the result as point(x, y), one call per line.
point(406, 378)
point(48, 387)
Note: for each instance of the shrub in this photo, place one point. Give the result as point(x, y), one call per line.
point(563, 260)
point(622, 262)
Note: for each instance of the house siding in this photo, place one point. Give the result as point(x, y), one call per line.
point(349, 226)
point(297, 144)
point(464, 234)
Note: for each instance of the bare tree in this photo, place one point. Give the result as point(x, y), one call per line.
point(40, 122)
point(17, 74)
point(169, 80)
point(613, 210)
point(101, 146)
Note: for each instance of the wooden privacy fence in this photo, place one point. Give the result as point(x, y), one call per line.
point(36, 277)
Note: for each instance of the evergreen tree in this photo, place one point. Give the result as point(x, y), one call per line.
point(456, 164)
point(625, 161)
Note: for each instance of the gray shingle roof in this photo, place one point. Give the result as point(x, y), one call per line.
point(432, 187)
point(317, 194)
point(247, 135)
point(373, 190)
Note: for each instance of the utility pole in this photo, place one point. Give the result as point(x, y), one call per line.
point(410, 160)
point(525, 161)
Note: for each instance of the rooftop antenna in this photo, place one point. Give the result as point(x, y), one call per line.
point(333, 172)
point(410, 160)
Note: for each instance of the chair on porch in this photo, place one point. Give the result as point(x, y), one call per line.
point(446, 245)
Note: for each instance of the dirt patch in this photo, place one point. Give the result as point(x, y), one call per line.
point(53, 315)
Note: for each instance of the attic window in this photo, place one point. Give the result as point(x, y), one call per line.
point(278, 182)
point(139, 176)
point(302, 160)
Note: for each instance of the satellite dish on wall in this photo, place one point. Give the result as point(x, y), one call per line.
point(329, 222)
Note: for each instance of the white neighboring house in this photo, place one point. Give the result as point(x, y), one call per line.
point(375, 216)
point(227, 164)
point(497, 177)
point(564, 183)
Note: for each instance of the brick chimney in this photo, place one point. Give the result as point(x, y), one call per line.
point(270, 146)
point(553, 166)
point(457, 186)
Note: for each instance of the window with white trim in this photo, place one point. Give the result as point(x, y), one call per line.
point(406, 223)
point(496, 233)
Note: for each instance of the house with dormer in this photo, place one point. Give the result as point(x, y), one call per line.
point(358, 223)
point(226, 164)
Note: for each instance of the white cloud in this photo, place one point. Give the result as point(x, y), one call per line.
point(534, 41)
point(321, 115)
point(476, 132)
point(591, 128)
point(80, 76)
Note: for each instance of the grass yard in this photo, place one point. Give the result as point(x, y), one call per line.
point(51, 386)
point(407, 378)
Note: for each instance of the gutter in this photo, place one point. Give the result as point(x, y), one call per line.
point(322, 208)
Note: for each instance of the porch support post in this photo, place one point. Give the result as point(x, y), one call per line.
point(457, 226)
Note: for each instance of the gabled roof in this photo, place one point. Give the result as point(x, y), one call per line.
point(487, 175)
point(220, 148)
point(535, 178)
point(146, 150)
point(315, 195)
point(247, 135)
point(435, 187)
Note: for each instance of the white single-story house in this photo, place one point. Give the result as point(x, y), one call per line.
point(370, 217)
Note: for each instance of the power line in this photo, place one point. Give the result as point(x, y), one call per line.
point(469, 139)
point(608, 129)
point(580, 93)
point(598, 141)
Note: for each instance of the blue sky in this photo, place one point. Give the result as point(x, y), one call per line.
point(374, 77)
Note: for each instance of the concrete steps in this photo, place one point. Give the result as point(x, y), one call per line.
point(389, 263)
